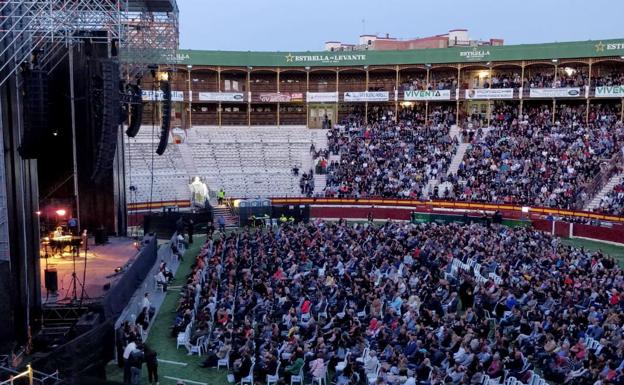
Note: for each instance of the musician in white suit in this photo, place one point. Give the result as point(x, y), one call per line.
point(199, 193)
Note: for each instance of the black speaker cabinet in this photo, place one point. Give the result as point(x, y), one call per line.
point(51, 279)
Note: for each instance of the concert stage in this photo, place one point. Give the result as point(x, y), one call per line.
point(102, 260)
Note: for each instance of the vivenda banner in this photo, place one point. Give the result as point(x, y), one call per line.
point(490, 93)
point(322, 97)
point(367, 96)
point(572, 92)
point(281, 97)
point(221, 96)
point(610, 92)
point(151, 96)
point(427, 95)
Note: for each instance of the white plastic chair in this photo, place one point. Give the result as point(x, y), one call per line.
point(323, 313)
point(298, 378)
point(322, 380)
point(184, 337)
point(342, 364)
point(249, 378)
point(225, 362)
point(273, 378)
point(197, 349)
point(363, 357)
point(372, 377)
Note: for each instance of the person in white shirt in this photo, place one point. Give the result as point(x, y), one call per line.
point(129, 349)
point(146, 302)
point(370, 365)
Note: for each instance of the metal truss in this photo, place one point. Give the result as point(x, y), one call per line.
point(37, 32)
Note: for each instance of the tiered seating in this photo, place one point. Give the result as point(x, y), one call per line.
point(245, 162)
point(251, 162)
point(170, 175)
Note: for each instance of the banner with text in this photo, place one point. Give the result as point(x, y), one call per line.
point(610, 92)
point(322, 97)
point(281, 97)
point(151, 96)
point(490, 93)
point(427, 95)
point(572, 92)
point(367, 96)
point(221, 96)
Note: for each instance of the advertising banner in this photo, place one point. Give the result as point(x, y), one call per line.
point(151, 96)
point(427, 95)
point(322, 97)
point(572, 92)
point(367, 96)
point(281, 97)
point(610, 92)
point(490, 93)
point(221, 96)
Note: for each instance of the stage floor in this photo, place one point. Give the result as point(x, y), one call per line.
point(102, 261)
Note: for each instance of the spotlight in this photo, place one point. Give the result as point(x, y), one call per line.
point(61, 212)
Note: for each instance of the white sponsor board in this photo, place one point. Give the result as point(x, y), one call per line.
point(427, 95)
point(571, 92)
point(367, 96)
point(322, 97)
point(221, 96)
point(610, 92)
point(150, 96)
point(490, 93)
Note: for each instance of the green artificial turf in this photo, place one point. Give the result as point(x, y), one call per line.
point(615, 251)
point(160, 338)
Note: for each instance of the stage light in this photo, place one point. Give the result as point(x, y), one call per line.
point(163, 76)
point(38, 212)
point(61, 212)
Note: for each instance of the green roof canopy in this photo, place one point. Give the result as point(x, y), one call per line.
point(579, 49)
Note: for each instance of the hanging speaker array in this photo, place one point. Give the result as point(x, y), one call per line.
point(165, 87)
point(106, 112)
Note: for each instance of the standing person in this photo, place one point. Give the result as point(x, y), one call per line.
point(152, 365)
point(221, 223)
point(220, 196)
point(190, 229)
point(209, 230)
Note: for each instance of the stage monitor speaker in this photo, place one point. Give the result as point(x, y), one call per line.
point(109, 120)
point(51, 280)
point(36, 114)
point(100, 236)
point(136, 113)
point(166, 118)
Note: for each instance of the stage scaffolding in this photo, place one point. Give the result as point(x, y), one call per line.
point(37, 33)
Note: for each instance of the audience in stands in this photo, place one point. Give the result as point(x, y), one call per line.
point(389, 159)
point(537, 162)
point(613, 202)
point(408, 304)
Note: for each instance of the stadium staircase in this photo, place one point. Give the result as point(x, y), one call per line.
point(606, 189)
point(457, 158)
point(320, 181)
point(454, 166)
point(187, 159)
point(231, 220)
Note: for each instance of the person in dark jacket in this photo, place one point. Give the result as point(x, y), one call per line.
point(151, 361)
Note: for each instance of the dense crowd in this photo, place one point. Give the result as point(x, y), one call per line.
point(536, 161)
point(389, 158)
point(406, 304)
point(613, 201)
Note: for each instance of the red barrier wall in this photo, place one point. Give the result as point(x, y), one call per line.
point(599, 232)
